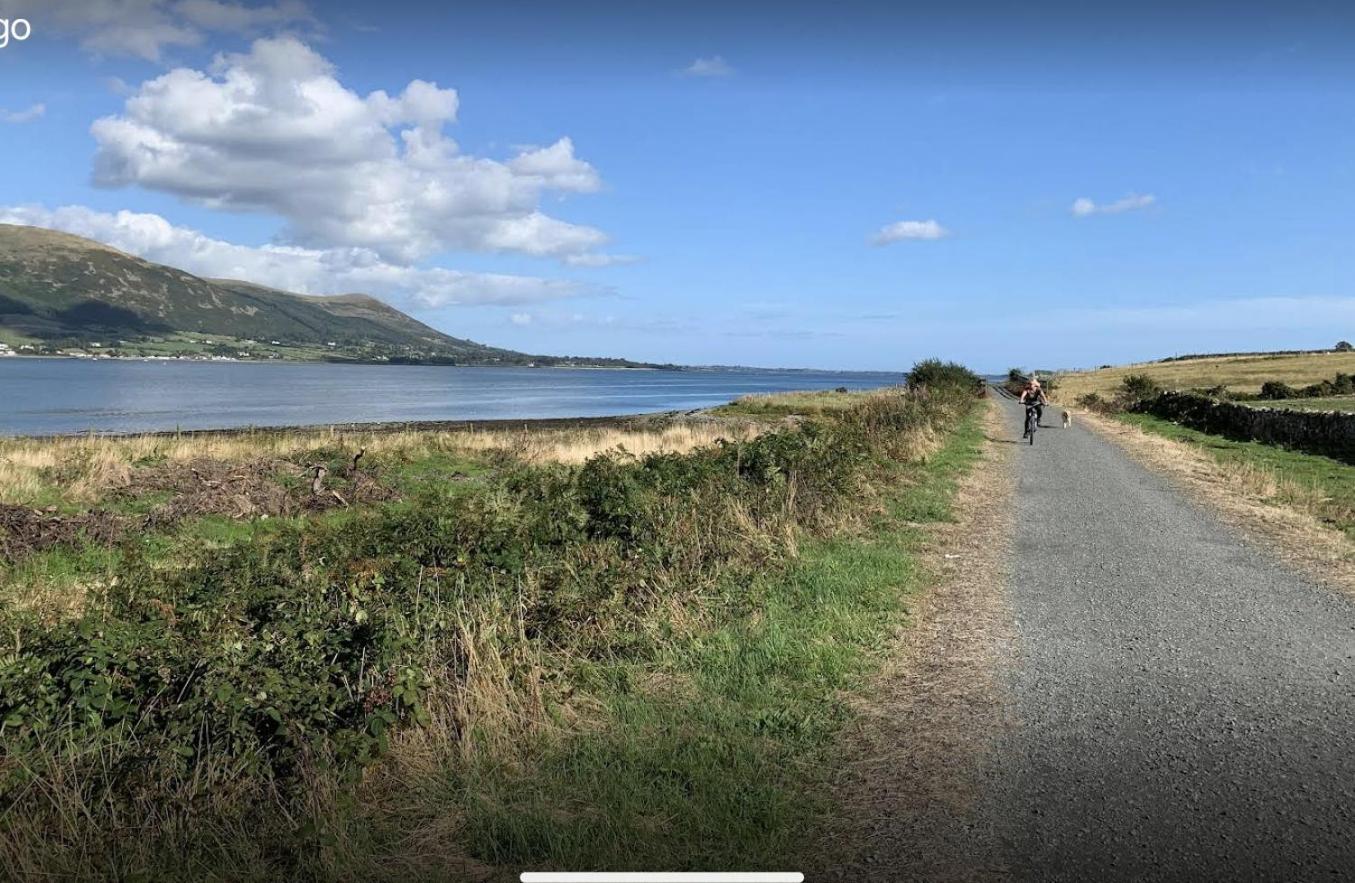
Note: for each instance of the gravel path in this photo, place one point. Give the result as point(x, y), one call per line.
point(1185, 706)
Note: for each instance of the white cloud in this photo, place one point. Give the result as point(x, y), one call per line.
point(145, 28)
point(602, 260)
point(274, 130)
point(18, 117)
point(1082, 207)
point(291, 268)
point(901, 230)
point(521, 318)
point(213, 15)
point(557, 168)
point(714, 66)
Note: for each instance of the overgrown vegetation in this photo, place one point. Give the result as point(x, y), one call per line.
point(296, 703)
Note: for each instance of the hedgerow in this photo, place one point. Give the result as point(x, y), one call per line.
point(240, 669)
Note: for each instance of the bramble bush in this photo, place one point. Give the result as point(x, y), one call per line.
point(245, 666)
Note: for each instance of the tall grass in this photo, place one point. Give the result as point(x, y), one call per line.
point(80, 470)
point(230, 716)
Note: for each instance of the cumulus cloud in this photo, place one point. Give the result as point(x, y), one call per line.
point(556, 167)
point(901, 230)
point(145, 28)
point(292, 268)
point(18, 117)
point(714, 66)
point(1082, 207)
point(274, 130)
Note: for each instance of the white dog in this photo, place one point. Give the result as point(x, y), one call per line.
point(1067, 419)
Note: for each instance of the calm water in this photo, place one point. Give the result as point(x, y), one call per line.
point(41, 396)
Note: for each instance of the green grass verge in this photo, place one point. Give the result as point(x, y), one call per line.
point(1321, 484)
point(806, 404)
point(718, 759)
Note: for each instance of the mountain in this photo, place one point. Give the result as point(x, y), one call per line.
point(61, 291)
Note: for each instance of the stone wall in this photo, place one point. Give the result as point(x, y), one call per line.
point(1330, 434)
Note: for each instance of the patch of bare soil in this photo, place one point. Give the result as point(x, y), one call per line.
point(24, 531)
point(914, 765)
point(1319, 551)
point(251, 489)
point(260, 488)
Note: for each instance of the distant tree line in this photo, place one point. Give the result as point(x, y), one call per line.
point(1342, 346)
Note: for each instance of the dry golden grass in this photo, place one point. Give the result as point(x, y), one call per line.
point(52, 600)
point(576, 446)
point(79, 469)
point(1238, 373)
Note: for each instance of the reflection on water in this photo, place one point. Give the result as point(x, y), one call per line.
point(39, 396)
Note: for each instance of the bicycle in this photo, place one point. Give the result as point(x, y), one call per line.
point(1032, 422)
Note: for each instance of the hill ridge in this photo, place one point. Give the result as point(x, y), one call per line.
point(60, 292)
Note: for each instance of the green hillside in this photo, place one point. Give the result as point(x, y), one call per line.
point(62, 293)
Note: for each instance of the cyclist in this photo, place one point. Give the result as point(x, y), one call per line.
point(1033, 397)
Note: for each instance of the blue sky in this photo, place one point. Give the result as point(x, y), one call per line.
point(847, 186)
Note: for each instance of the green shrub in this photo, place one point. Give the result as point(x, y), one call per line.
point(933, 373)
point(1095, 403)
point(1274, 390)
point(1136, 388)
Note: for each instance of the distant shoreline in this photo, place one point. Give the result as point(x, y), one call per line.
point(343, 362)
point(674, 369)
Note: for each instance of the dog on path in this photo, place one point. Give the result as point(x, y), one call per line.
point(1067, 419)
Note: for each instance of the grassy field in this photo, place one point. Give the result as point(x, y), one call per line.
point(1243, 374)
point(808, 404)
point(1331, 403)
point(458, 654)
point(1320, 486)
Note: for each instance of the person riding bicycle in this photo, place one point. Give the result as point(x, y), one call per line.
point(1033, 397)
